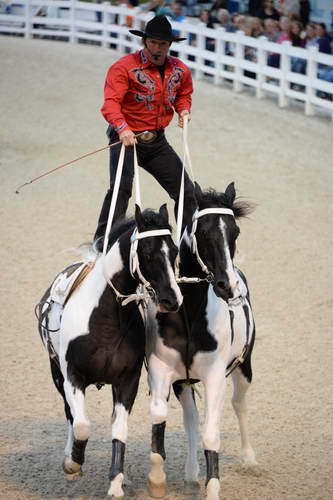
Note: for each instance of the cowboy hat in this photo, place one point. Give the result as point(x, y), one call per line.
point(158, 28)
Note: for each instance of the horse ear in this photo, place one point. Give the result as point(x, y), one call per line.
point(139, 218)
point(164, 212)
point(230, 193)
point(197, 191)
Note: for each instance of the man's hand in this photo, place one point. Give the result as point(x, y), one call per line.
point(181, 117)
point(128, 138)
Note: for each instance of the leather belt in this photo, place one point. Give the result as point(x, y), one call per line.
point(148, 136)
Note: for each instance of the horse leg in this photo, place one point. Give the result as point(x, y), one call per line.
point(123, 400)
point(159, 382)
point(79, 430)
point(241, 385)
point(215, 389)
point(185, 395)
point(58, 379)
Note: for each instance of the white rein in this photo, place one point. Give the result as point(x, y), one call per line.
point(136, 236)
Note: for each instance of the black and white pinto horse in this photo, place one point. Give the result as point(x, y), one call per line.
point(212, 336)
point(95, 339)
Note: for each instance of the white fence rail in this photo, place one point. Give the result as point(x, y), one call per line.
point(106, 26)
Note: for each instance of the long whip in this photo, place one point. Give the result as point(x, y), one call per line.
point(70, 162)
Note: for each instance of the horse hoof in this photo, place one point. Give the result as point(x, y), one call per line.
point(73, 477)
point(156, 490)
point(116, 489)
point(249, 460)
point(213, 489)
point(71, 469)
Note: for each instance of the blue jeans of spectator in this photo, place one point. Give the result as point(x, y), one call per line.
point(298, 65)
point(273, 60)
point(327, 75)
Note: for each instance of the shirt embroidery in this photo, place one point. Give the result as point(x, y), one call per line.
point(148, 83)
point(173, 81)
point(144, 58)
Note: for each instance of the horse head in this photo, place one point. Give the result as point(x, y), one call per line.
point(156, 257)
point(213, 237)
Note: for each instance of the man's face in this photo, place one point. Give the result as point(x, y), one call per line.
point(156, 50)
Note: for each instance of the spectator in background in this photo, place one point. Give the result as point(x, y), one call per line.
point(224, 20)
point(177, 13)
point(159, 7)
point(239, 22)
point(274, 59)
point(254, 6)
point(189, 7)
point(323, 39)
point(257, 27)
point(327, 75)
point(271, 29)
point(304, 11)
point(290, 8)
point(284, 29)
point(217, 5)
point(268, 11)
point(310, 40)
point(325, 72)
point(253, 28)
point(206, 18)
point(296, 29)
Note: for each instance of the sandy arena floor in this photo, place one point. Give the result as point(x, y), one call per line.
point(279, 159)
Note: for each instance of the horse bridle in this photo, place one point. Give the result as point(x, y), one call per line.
point(134, 265)
point(193, 240)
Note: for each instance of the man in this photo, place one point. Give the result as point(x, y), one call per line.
point(142, 91)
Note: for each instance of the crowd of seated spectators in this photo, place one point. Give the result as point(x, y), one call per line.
point(275, 19)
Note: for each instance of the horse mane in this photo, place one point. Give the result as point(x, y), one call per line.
point(211, 197)
point(152, 220)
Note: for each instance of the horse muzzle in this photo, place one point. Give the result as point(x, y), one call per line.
point(166, 306)
point(224, 289)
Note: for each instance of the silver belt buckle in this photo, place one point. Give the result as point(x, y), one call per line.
point(148, 136)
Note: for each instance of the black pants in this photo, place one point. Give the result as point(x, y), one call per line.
point(159, 159)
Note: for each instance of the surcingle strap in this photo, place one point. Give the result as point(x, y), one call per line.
point(79, 279)
point(68, 281)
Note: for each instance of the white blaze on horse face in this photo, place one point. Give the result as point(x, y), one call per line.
point(229, 264)
point(173, 283)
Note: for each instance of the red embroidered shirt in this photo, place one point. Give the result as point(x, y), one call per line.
point(136, 97)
